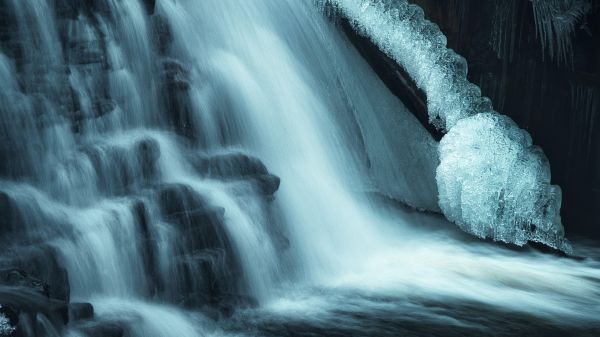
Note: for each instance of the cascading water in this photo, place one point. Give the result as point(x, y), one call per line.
point(143, 152)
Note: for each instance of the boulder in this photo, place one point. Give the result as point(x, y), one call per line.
point(80, 311)
point(148, 152)
point(176, 75)
point(211, 279)
point(195, 216)
point(234, 166)
point(11, 216)
point(26, 305)
point(101, 329)
point(119, 168)
point(268, 183)
point(228, 165)
point(207, 267)
point(148, 246)
point(37, 262)
point(19, 278)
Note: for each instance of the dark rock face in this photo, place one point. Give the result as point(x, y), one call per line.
point(148, 246)
point(229, 165)
point(176, 83)
point(120, 169)
point(208, 267)
point(10, 215)
point(268, 183)
point(42, 262)
point(25, 255)
point(80, 311)
point(163, 37)
point(150, 4)
point(176, 75)
point(19, 278)
point(71, 9)
point(23, 297)
point(102, 329)
point(201, 221)
point(237, 165)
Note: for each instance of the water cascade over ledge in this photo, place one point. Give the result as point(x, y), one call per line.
point(206, 168)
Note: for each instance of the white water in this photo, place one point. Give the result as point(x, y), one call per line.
point(274, 79)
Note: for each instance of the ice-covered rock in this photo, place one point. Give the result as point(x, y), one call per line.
point(6, 327)
point(492, 181)
point(401, 31)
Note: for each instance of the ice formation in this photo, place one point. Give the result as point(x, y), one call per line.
point(492, 182)
point(555, 22)
point(5, 328)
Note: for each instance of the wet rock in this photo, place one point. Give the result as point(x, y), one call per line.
point(176, 75)
point(100, 107)
point(103, 106)
point(102, 329)
point(207, 267)
point(268, 183)
point(85, 52)
point(61, 311)
point(237, 165)
point(162, 33)
point(42, 262)
point(149, 4)
point(36, 315)
point(24, 297)
point(9, 319)
point(229, 165)
point(121, 168)
point(175, 84)
point(204, 275)
point(201, 221)
point(19, 278)
point(148, 153)
point(66, 9)
point(73, 8)
point(11, 216)
point(176, 81)
point(148, 246)
point(80, 311)
point(180, 199)
point(211, 279)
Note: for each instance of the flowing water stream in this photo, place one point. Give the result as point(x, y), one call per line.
point(141, 153)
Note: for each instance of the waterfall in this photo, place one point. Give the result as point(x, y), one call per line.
point(215, 161)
